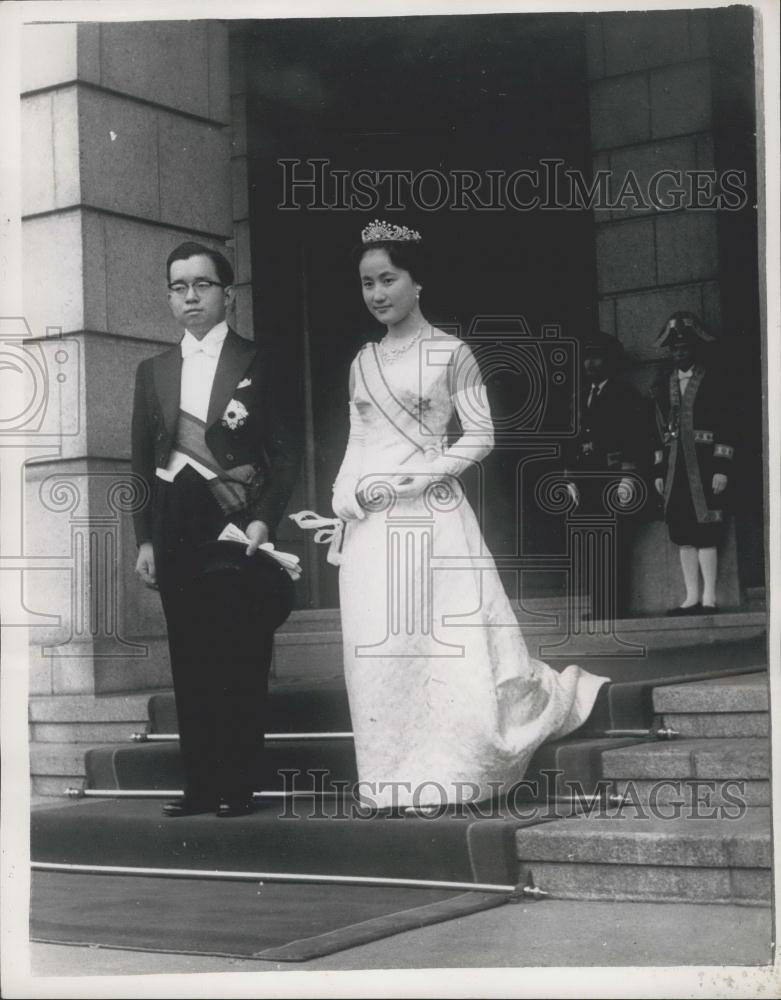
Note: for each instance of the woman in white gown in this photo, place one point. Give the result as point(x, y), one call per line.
point(446, 703)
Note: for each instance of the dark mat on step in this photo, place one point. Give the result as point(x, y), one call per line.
point(271, 922)
point(310, 837)
point(626, 703)
point(318, 764)
point(159, 766)
point(315, 707)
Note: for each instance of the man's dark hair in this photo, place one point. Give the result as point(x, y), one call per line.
point(187, 250)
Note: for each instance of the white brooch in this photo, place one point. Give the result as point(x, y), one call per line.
point(235, 415)
point(244, 383)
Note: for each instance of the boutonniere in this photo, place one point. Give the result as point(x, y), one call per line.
point(235, 415)
point(245, 382)
point(421, 406)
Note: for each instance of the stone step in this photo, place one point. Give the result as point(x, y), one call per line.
point(711, 759)
point(54, 786)
point(55, 759)
point(718, 725)
point(670, 794)
point(636, 854)
point(635, 836)
point(635, 883)
point(90, 708)
point(756, 599)
point(63, 727)
point(329, 619)
point(85, 732)
point(657, 633)
point(741, 693)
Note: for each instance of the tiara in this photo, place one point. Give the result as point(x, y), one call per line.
point(378, 232)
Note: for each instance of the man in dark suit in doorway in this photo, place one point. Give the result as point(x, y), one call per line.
point(210, 444)
point(605, 463)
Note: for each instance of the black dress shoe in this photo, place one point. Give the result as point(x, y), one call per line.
point(188, 807)
point(693, 609)
point(709, 609)
point(235, 807)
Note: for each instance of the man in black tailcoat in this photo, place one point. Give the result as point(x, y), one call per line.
point(604, 461)
point(209, 441)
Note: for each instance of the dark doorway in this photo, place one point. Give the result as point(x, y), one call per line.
point(486, 94)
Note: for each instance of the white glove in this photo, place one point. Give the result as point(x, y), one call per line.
point(626, 491)
point(344, 503)
point(414, 481)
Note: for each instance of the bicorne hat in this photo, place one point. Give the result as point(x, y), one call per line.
point(681, 328)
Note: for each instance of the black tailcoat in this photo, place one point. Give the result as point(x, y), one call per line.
point(220, 624)
point(265, 440)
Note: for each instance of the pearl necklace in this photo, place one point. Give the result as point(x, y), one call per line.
point(390, 354)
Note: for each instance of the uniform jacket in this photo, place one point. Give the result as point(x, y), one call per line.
point(696, 425)
point(262, 439)
point(610, 437)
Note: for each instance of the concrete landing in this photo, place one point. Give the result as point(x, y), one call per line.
point(310, 643)
point(547, 934)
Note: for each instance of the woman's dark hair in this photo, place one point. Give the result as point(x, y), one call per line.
point(187, 250)
point(407, 255)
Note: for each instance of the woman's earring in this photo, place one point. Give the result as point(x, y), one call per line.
point(417, 293)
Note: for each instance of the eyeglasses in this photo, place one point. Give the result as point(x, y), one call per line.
point(201, 285)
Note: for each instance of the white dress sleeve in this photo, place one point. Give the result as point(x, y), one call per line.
point(470, 400)
point(344, 502)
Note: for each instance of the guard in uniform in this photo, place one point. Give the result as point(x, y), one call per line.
point(694, 456)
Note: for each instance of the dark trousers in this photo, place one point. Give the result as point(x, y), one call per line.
point(220, 646)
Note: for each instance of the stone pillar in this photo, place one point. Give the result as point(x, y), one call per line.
point(126, 149)
point(240, 184)
point(652, 108)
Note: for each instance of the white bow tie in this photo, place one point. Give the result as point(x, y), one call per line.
point(191, 346)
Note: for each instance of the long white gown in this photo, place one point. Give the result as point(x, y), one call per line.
point(446, 703)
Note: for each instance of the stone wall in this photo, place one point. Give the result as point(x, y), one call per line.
point(651, 109)
point(652, 102)
point(126, 151)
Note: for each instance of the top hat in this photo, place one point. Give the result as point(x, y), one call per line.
point(683, 327)
point(268, 582)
